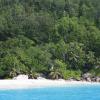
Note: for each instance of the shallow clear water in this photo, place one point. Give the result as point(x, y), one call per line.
point(56, 93)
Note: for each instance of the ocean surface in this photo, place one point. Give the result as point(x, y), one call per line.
point(90, 92)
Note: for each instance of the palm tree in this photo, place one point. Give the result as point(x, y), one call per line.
point(13, 72)
point(55, 74)
point(33, 75)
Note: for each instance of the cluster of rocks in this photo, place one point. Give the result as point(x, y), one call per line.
point(21, 77)
point(88, 77)
point(85, 77)
point(26, 77)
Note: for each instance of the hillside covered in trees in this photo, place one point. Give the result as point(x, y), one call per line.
point(56, 38)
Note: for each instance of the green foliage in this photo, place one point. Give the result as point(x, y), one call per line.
point(36, 35)
point(72, 74)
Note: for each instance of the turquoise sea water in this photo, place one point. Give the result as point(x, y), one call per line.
point(55, 93)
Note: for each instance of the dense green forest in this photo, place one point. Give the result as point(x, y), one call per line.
point(55, 38)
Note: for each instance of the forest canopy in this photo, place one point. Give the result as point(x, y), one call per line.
point(56, 38)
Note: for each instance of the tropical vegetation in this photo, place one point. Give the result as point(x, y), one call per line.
point(56, 38)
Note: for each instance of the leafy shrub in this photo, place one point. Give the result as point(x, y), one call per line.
point(71, 74)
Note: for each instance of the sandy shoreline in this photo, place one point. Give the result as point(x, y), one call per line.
point(32, 83)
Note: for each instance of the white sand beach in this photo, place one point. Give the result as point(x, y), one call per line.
point(36, 83)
